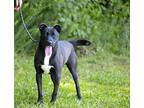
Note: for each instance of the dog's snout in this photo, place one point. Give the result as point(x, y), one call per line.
point(49, 42)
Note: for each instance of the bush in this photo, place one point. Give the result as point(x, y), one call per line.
point(104, 22)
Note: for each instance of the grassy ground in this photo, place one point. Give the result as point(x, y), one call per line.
point(104, 83)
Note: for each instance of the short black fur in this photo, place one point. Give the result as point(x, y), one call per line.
point(63, 52)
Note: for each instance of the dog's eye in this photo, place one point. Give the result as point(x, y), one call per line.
point(52, 33)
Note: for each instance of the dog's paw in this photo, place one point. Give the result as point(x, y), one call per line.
point(79, 96)
point(40, 102)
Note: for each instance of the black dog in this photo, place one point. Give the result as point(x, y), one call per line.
point(52, 54)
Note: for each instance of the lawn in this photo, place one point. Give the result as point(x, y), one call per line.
point(104, 81)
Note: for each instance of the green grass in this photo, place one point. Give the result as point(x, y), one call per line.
point(103, 78)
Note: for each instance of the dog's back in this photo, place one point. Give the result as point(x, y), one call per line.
point(67, 48)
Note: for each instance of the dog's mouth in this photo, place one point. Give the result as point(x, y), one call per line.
point(48, 50)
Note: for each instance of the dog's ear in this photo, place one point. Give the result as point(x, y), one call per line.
point(42, 26)
point(58, 28)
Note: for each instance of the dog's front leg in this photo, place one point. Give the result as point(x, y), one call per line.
point(55, 76)
point(39, 86)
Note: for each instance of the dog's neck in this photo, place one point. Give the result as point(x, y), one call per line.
point(54, 50)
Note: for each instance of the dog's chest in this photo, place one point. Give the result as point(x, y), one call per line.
point(46, 61)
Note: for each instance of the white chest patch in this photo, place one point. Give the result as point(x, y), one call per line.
point(46, 67)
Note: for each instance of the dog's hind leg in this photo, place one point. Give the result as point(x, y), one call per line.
point(55, 76)
point(72, 66)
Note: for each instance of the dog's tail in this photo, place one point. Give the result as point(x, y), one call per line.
point(81, 42)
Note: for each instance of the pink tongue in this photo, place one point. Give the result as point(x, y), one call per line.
point(48, 51)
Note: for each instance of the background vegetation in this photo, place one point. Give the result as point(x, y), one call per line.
point(103, 66)
point(104, 22)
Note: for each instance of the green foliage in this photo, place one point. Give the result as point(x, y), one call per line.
point(103, 79)
point(104, 22)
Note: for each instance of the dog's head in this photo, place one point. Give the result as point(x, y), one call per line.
point(49, 35)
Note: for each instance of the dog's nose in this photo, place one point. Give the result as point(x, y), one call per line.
point(50, 42)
